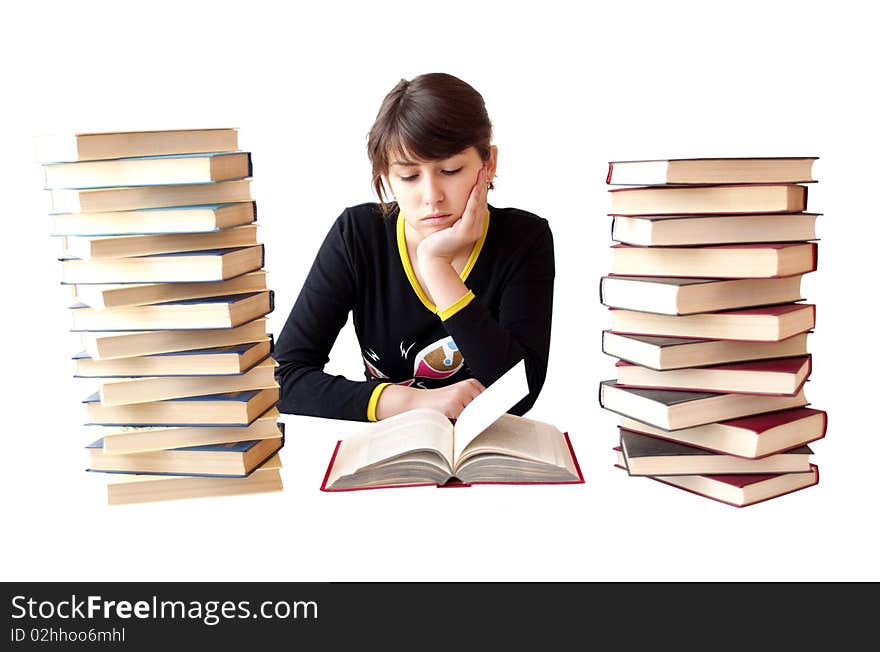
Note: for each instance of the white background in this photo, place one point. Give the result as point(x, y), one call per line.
point(568, 90)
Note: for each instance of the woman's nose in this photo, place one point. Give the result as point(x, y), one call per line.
point(432, 192)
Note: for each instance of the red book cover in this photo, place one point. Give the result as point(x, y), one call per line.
point(741, 481)
point(788, 366)
point(801, 190)
point(774, 365)
point(752, 246)
point(764, 311)
point(758, 425)
point(454, 483)
point(744, 245)
point(763, 422)
point(773, 311)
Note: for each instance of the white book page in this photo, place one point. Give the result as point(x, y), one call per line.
point(421, 429)
point(484, 410)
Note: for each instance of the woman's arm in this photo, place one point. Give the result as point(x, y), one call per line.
point(303, 348)
point(522, 330)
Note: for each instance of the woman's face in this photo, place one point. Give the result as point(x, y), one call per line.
point(432, 195)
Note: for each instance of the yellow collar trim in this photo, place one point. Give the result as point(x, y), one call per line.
point(408, 268)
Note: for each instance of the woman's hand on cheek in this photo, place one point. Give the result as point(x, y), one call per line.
point(446, 243)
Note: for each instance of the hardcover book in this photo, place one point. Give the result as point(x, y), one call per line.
point(751, 437)
point(759, 169)
point(140, 439)
point(716, 199)
point(230, 409)
point(127, 246)
point(717, 261)
point(183, 267)
point(687, 296)
point(741, 490)
point(110, 345)
point(666, 230)
point(422, 447)
point(51, 148)
point(129, 198)
point(173, 219)
point(148, 389)
point(671, 410)
point(679, 352)
point(125, 489)
point(144, 294)
point(150, 170)
point(224, 360)
point(768, 324)
point(777, 377)
point(235, 459)
point(645, 455)
point(191, 314)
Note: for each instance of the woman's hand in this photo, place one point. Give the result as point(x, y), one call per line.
point(449, 400)
point(443, 245)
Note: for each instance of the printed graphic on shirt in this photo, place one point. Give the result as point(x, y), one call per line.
point(437, 361)
point(371, 368)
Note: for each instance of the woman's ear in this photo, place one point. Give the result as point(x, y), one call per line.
point(492, 163)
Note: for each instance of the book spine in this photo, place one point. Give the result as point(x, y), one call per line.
point(610, 170)
point(250, 165)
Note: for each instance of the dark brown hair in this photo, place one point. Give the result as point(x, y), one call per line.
point(433, 116)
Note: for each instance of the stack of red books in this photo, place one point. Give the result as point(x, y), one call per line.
point(709, 325)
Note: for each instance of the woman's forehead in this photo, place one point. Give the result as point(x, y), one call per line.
point(402, 157)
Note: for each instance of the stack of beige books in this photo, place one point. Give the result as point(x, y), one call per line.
point(709, 324)
point(158, 239)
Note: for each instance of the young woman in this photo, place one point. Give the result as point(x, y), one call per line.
point(447, 292)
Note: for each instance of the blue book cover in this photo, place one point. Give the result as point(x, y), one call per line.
point(237, 349)
point(200, 475)
point(239, 373)
point(230, 447)
point(249, 173)
point(212, 207)
point(241, 397)
point(188, 425)
point(134, 330)
point(158, 157)
point(215, 252)
point(176, 254)
point(226, 298)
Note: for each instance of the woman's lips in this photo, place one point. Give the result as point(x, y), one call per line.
point(433, 219)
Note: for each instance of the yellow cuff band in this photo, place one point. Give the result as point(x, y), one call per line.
point(374, 400)
point(455, 307)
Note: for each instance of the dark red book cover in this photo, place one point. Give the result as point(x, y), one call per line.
point(773, 365)
point(773, 311)
point(454, 482)
point(757, 425)
point(801, 204)
point(752, 246)
point(763, 422)
point(740, 481)
point(788, 366)
point(768, 311)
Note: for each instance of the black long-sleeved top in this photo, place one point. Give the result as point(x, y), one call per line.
point(363, 266)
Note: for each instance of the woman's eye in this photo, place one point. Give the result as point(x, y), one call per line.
point(451, 172)
point(411, 177)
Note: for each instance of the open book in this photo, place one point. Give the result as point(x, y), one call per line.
point(485, 445)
